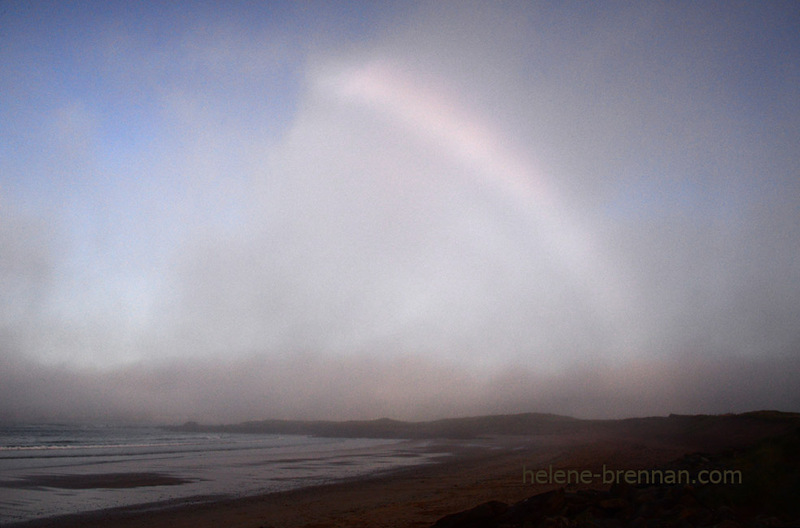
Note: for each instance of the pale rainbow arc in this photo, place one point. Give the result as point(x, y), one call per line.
point(430, 115)
point(472, 143)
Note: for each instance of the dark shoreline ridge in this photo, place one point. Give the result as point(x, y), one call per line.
point(697, 425)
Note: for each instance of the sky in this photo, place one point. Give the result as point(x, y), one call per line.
point(325, 210)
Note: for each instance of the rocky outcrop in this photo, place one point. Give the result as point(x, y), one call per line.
point(656, 506)
point(766, 496)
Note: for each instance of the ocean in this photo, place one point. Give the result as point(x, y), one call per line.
point(61, 469)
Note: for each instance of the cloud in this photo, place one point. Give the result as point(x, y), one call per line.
point(316, 386)
point(370, 227)
point(494, 208)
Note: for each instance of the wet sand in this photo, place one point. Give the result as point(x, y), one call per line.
point(108, 481)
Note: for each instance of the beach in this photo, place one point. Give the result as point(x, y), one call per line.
point(458, 475)
point(474, 472)
point(57, 471)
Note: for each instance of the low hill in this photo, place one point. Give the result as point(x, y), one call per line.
point(698, 428)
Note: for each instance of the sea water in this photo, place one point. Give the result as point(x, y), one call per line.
point(59, 469)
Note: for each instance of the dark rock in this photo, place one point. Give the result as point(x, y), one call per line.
point(639, 522)
point(613, 504)
point(536, 507)
point(728, 523)
point(621, 489)
point(482, 516)
point(657, 506)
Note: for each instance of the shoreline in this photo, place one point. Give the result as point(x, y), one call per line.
point(473, 472)
point(35, 489)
